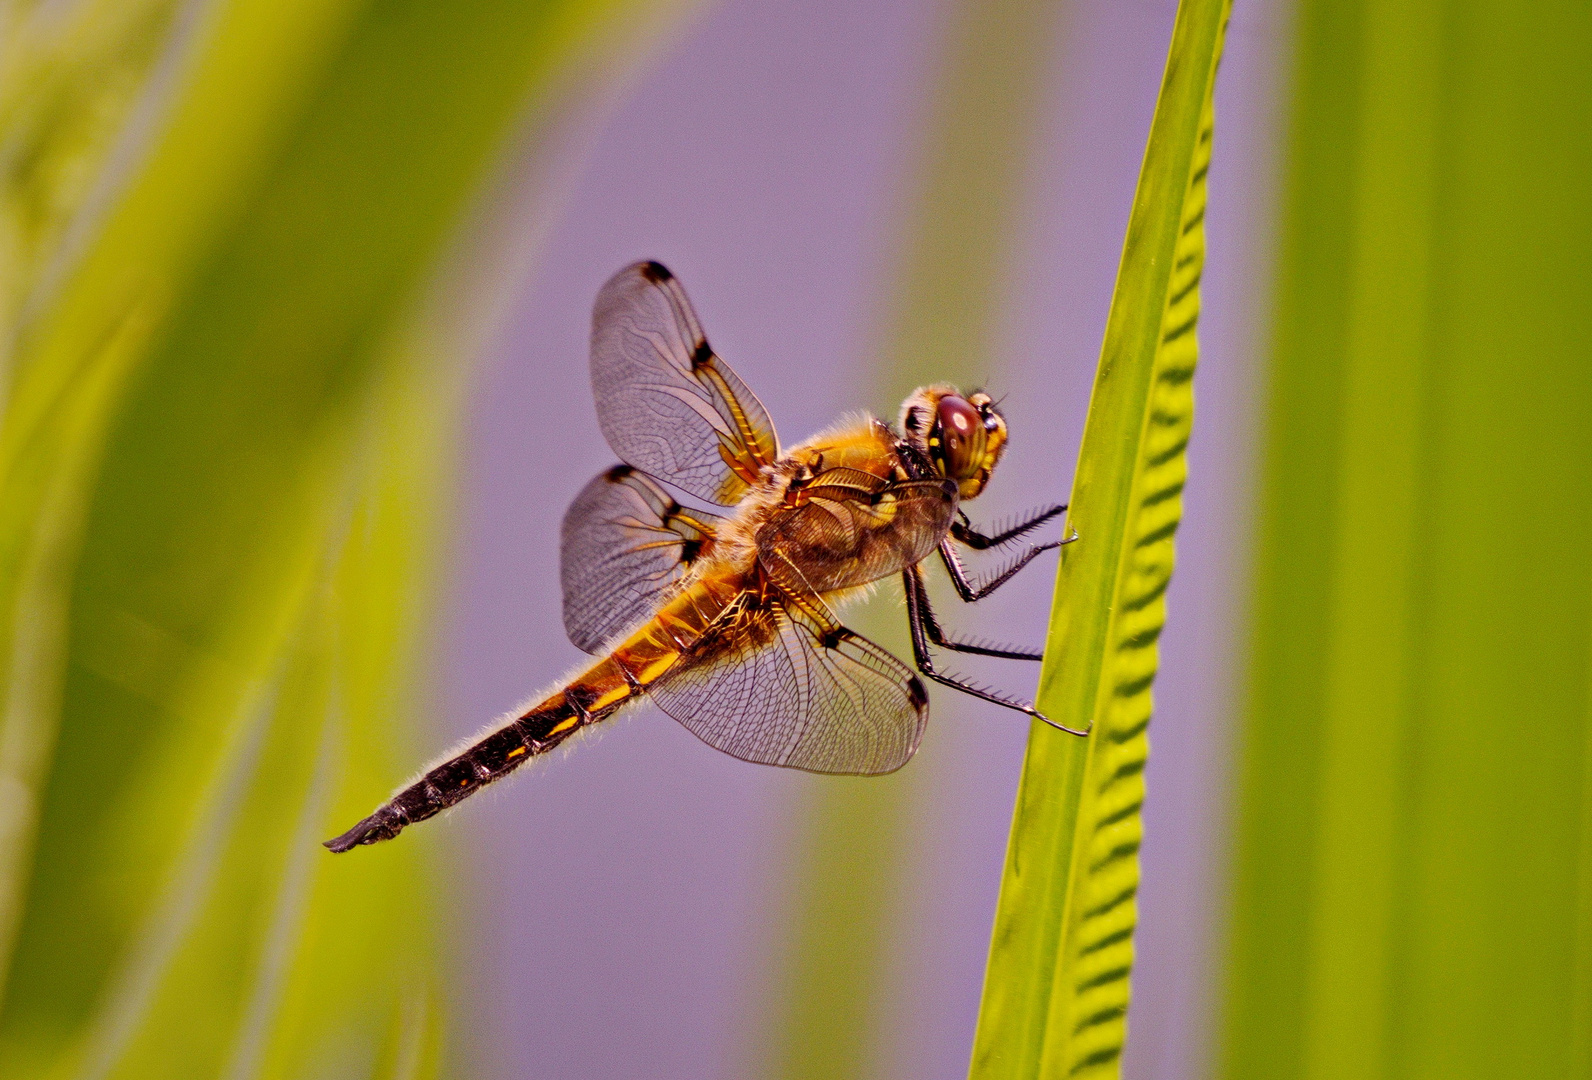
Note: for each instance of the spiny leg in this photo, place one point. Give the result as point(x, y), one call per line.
point(962, 532)
point(971, 593)
point(917, 605)
point(931, 627)
point(962, 528)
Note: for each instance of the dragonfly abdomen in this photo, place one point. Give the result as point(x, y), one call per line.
point(640, 660)
point(492, 758)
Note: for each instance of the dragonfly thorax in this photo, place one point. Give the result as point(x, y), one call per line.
point(962, 437)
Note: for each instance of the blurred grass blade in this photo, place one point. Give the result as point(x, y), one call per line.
point(1056, 991)
point(224, 432)
point(1411, 836)
point(75, 82)
point(256, 955)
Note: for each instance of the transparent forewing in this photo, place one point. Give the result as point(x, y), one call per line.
point(666, 403)
point(625, 543)
point(771, 684)
point(852, 528)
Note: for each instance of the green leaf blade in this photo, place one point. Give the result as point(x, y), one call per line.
point(1056, 992)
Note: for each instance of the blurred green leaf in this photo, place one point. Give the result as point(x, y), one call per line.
point(1413, 853)
point(1056, 991)
point(225, 426)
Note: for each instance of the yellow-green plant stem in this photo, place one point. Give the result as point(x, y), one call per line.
point(1056, 991)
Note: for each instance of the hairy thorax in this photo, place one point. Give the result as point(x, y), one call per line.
point(858, 442)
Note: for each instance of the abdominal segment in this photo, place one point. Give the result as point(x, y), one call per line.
point(646, 656)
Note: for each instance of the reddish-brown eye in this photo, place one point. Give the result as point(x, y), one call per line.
point(960, 430)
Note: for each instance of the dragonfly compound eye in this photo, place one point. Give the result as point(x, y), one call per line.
point(962, 439)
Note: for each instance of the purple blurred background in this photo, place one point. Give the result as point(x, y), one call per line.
point(619, 912)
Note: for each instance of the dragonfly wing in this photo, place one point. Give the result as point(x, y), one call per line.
point(849, 532)
point(666, 403)
point(778, 683)
point(625, 543)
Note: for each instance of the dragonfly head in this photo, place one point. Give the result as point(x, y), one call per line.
point(962, 436)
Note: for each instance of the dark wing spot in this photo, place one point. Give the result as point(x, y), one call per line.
point(701, 355)
point(655, 272)
point(618, 473)
point(689, 550)
point(919, 696)
point(832, 638)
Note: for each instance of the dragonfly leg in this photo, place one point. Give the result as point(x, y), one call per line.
point(919, 618)
point(936, 635)
point(971, 592)
point(964, 532)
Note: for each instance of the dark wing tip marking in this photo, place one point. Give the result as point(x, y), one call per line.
point(919, 696)
point(655, 272)
point(619, 472)
point(701, 354)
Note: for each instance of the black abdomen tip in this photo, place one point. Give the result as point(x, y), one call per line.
point(382, 825)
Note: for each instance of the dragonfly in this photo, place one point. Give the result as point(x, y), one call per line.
point(726, 620)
